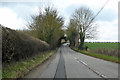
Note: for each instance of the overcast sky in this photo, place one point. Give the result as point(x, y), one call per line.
point(15, 14)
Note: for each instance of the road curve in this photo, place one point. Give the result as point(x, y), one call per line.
point(67, 63)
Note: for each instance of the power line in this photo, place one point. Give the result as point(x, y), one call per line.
point(102, 8)
point(99, 11)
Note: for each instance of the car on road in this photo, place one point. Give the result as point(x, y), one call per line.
point(66, 44)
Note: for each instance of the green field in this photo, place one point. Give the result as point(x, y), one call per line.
point(101, 56)
point(102, 45)
point(107, 51)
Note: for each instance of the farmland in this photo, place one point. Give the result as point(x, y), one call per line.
point(110, 49)
point(102, 45)
point(103, 50)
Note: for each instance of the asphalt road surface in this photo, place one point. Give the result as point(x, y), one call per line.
point(67, 63)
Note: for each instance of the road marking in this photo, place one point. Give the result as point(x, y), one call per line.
point(83, 63)
point(78, 61)
point(103, 76)
point(75, 58)
point(98, 73)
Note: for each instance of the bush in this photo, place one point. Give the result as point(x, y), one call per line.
point(17, 45)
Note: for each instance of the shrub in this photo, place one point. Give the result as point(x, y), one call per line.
point(17, 45)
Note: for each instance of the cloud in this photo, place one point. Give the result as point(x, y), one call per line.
point(9, 18)
point(16, 15)
point(36, 10)
point(108, 31)
point(13, 15)
point(109, 13)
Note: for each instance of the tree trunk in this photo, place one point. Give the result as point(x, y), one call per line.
point(77, 41)
point(82, 38)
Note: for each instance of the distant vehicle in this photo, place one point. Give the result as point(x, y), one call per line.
point(66, 44)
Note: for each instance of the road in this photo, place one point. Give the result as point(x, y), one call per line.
point(67, 63)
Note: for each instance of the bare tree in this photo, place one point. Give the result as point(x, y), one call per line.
point(85, 24)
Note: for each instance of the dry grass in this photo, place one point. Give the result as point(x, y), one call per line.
point(106, 51)
point(107, 48)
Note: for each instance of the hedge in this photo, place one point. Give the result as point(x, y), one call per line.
point(17, 45)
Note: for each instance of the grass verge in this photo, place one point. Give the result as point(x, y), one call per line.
point(101, 56)
point(19, 69)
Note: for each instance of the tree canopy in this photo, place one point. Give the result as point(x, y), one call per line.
point(47, 26)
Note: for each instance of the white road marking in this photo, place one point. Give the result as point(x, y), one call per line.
point(75, 58)
point(103, 76)
point(78, 61)
point(84, 63)
point(98, 73)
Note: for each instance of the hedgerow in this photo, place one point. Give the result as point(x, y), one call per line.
point(17, 45)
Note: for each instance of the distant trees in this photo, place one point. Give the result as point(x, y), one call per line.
point(72, 32)
point(83, 19)
point(47, 26)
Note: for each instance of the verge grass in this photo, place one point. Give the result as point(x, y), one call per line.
point(101, 56)
point(19, 69)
